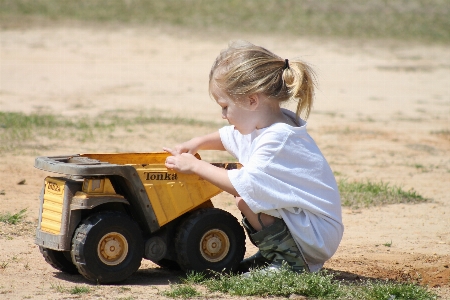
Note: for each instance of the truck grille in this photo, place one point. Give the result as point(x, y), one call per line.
point(52, 207)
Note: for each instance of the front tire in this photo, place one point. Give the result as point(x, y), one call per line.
point(59, 260)
point(107, 247)
point(210, 239)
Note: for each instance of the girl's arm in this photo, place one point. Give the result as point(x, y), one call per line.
point(210, 141)
point(188, 163)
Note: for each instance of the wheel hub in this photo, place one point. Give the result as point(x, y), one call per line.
point(214, 245)
point(112, 248)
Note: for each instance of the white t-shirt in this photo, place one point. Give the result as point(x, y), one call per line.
point(285, 175)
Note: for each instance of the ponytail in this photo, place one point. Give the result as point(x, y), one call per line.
point(299, 79)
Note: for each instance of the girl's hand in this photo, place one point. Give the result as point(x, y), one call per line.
point(190, 147)
point(210, 141)
point(181, 162)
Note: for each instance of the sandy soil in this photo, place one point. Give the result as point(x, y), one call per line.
point(381, 113)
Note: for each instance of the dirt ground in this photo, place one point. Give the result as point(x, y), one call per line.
point(381, 113)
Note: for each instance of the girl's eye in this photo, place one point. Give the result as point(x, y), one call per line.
point(224, 108)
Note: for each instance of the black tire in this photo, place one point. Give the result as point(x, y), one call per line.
point(59, 260)
point(210, 239)
point(90, 247)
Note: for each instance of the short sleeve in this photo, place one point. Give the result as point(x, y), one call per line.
point(229, 140)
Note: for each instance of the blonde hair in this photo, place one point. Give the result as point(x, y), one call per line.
point(245, 69)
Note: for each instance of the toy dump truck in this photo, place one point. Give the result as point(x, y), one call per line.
point(108, 211)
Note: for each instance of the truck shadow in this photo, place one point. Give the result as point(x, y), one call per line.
point(151, 276)
point(349, 277)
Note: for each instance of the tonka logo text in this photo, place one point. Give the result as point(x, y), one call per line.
point(160, 176)
point(53, 187)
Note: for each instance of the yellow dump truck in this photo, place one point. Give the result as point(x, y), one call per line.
point(108, 211)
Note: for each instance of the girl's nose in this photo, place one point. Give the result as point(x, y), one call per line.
point(224, 116)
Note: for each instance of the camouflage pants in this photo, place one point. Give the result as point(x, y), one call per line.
point(276, 244)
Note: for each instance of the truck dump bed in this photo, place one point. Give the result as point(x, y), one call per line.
point(164, 193)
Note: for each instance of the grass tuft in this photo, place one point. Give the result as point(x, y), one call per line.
point(388, 244)
point(399, 291)
point(184, 291)
point(76, 290)
point(13, 219)
point(58, 287)
point(193, 277)
point(79, 290)
point(365, 194)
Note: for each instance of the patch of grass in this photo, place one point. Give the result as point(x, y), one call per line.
point(443, 132)
point(17, 120)
point(193, 277)
point(13, 219)
point(285, 283)
point(124, 289)
point(76, 290)
point(79, 290)
point(365, 194)
point(58, 287)
point(184, 291)
point(390, 291)
point(388, 244)
point(423, 20)
point(118, 119)
point(19, 129)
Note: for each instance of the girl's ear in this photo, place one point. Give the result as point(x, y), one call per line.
point(253, 101)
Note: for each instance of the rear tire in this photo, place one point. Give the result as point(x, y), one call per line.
point(107, 247)
point(210, 239)
point(59, 260)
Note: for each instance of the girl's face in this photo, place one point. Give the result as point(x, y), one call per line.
point(236, 113)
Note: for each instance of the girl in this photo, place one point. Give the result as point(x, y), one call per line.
point(285, 190)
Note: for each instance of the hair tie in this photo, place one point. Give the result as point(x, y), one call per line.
point(286, 64)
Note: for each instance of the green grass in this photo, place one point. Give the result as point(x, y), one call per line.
point(366, 194)
point(58, 287)
point(79, 290)
point(285, 283)
point(388, 244)
point(181, 291)
point(443, 132)
point(13, 218)
point(281, 284)
point(18, 129)
point(414, 20)
point(76, 290)
point(17, 121)
point(390, 291)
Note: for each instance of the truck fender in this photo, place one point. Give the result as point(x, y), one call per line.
point(91, 202)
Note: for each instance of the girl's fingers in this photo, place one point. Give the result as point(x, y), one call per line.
point(173, 152)
point(169, 160)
